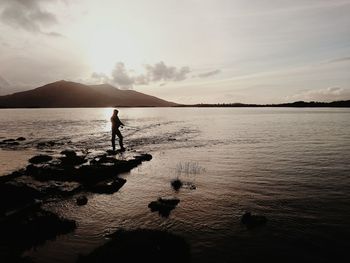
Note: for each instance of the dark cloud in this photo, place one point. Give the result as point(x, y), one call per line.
point(210, 73)
point(126, 79)
point(27, 15)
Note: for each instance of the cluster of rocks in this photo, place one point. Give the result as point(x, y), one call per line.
point(23, 221)
point(11, 142)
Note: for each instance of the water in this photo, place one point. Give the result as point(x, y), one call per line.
point(291, 165)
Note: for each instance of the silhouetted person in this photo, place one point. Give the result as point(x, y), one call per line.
point(116, 123)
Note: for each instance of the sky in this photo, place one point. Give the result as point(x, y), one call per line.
point(186, 51)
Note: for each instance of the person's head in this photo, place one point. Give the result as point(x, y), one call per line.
point(115, 112)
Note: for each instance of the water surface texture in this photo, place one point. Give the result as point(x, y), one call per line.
point(291, 165)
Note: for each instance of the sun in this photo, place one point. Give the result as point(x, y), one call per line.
point(107, 47)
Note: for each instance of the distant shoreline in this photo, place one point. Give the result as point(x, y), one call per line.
point(297, 104)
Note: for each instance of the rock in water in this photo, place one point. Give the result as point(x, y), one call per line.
point(108, 187)
point(42, 158)
point(20, 139)
point(69, 153)
point(253, 220)
point(82, 200)
point(176, 184)
point(164, 206)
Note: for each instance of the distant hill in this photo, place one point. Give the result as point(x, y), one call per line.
point(66, 94)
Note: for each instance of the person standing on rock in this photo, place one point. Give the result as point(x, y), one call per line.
point(116, 123)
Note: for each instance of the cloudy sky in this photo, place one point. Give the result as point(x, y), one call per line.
point(188, 51)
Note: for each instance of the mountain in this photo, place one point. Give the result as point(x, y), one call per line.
point(66, 94)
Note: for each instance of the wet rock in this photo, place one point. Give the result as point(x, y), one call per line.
point(14, 196)
point(32, 229)
point(8, 140)
point(108, 187)
point(164, 206)
point(69, 153)
point(176, 184)
point(42, 158)
point(82, 200)
point(20, 139)
point(253, 220)
point(45, 172)
point(144, 157)
point(149, 245)
point(46, 144)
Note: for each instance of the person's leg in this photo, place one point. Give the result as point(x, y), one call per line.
point(113, 141)
point(120, 136)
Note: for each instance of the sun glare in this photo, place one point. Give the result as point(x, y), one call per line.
point(107, 47)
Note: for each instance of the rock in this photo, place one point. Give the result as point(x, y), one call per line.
point(20, 139)
point(8, 140)
point(14, 195)
point(46, 144)
point(149, 245)
point(33, 228)
point(69, 153)
point(253, 220)
point(82, 200)
point(72, 160)
point(176, 184)
point(164, 206)
point(108, 187)
point(42, 158)
point(144, 157)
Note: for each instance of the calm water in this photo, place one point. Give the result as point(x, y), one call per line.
point(291, 165)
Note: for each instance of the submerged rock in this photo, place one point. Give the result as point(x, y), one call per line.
point(108, 187)
point(141, 245)
point(82, 200)
point(253, 220)
point(20, 139)
point(163, 205)
point(42, 158)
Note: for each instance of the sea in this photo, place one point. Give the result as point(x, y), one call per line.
point(291, 165)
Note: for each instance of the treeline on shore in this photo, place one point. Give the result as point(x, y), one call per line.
point(297, 104)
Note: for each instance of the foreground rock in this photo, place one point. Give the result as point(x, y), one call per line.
point(40, 159)
point(141, 246)
point(251, 221)
point(30, 229)
point(107, 187)
point(164, 206)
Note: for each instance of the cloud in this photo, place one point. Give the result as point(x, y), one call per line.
point(343, 59)
point(327, 94)
point(209, 73)
point(27, 15)
point(126, 79)
point(162, 72)
point(121, 77)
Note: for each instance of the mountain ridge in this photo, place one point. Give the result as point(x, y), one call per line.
point(68, 94)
